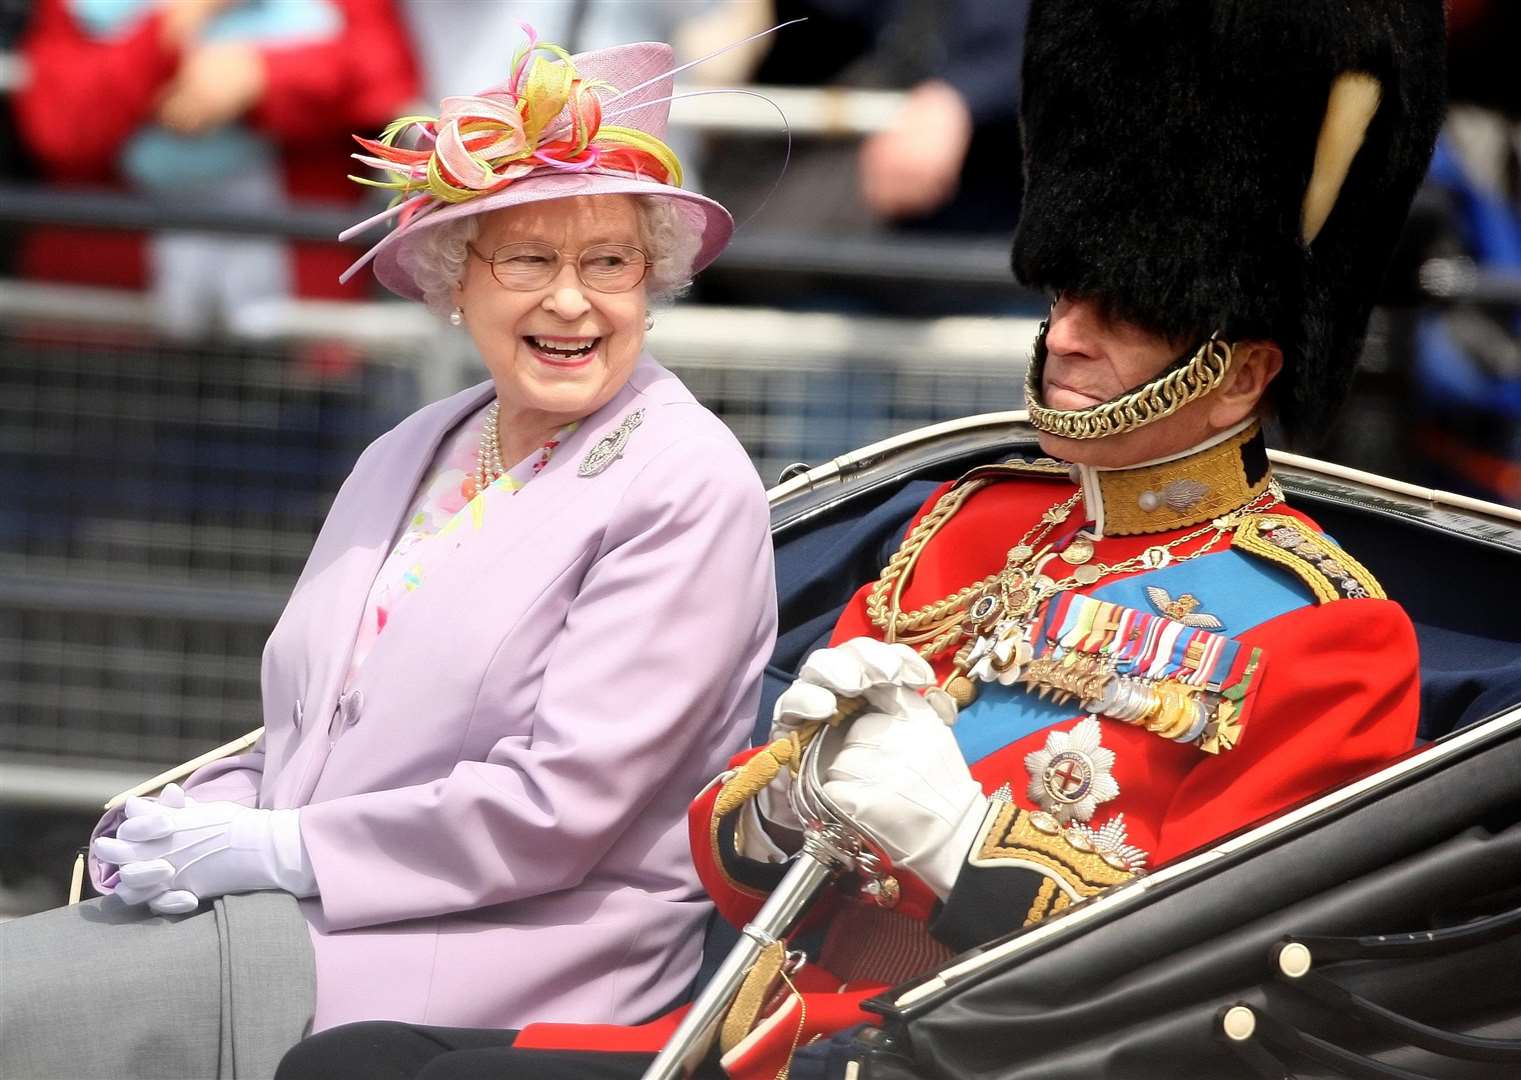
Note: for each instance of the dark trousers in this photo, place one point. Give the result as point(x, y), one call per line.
point(382, 1050)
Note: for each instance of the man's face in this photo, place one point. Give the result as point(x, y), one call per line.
point(1092, 357)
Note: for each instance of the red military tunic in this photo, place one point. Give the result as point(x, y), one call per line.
point(1333, 694)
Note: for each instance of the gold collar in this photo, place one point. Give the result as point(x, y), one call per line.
point(1177, 492)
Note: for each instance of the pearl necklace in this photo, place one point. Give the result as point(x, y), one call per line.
point(488, 458)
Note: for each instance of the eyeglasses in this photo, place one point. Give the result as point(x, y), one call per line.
point(608, 268)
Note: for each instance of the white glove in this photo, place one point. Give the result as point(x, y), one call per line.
point(902, 780)
point(884, 674)
point(860, 667)
point(175, 852)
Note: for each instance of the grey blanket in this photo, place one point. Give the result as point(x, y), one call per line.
point(103, 990)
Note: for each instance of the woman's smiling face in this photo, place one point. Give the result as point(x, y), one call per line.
point(559, 352)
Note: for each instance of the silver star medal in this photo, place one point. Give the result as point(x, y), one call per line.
point(609, 448)
point(1073, 773)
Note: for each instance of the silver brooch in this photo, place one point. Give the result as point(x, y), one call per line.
point(1073, 774)
point(609, 448)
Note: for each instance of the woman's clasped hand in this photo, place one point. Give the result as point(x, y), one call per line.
point(175, 852)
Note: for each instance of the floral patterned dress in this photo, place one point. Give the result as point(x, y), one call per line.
point(446, 502)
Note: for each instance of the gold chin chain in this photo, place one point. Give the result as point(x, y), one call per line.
point(1160, 398)
point(1016, 591)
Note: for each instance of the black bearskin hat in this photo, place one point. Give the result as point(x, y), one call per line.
point(1169, 146)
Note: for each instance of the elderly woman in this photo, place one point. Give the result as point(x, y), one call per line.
point(532, 626)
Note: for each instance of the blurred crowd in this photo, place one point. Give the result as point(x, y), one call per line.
point(1464, 377)
point(207, 103)
point(249, 104)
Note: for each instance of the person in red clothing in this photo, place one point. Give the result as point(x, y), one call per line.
point(238, 103)
point(1078, 668)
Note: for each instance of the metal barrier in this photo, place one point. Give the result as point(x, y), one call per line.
point(159, 501)
point(160, 498)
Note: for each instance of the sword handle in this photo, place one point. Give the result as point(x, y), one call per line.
point(819, 862)
point(805, 879)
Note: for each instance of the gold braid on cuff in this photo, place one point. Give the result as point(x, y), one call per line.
point(1146, 404)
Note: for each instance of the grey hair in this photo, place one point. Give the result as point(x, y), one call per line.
point(436, 259)
point(673, 242)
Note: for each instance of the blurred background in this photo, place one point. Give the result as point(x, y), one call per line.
point(183, 383)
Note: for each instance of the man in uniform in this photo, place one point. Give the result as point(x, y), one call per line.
point(1078, 668)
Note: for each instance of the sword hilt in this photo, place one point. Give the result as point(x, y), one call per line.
point(785, 752)
point(828, 849)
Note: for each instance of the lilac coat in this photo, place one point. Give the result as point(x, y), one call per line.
point(496, 811)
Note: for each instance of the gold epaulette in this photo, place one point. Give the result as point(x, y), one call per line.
point(1330, 572)
point(1044, 468)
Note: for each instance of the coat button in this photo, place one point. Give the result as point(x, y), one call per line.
point(346, 715)
point(295, 715)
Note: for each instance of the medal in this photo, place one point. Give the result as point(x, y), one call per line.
point(983, 613)
point(1079, 551)
point(1020, 595)
point(1222, 732)
point(1072, 774)
point(1076, 675)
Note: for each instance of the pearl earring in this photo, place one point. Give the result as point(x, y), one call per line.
point(649, 321)
point(457, 317)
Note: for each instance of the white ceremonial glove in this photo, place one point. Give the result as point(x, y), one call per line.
point(901, 779)
point(860, 667)
point(175, 852)
point(148, 882)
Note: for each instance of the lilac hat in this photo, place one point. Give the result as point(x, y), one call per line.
point(538, 136)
